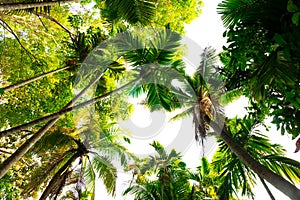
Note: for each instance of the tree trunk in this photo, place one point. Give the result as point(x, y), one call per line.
point(22, 6)
point(262, 171)
point(4, 167)
point(16, 156)
point(17, 85)
point(58, 175)
point(62, 112)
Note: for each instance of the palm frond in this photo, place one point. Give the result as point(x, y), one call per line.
point(106, 171)
point(29, 7)
point(133, 11)
point(41, 174)
point(183, 114)
point(209, 60)
point(266, 14)
point(55, 138)
point(235, 10)
point(260, 148)
point(230, 96)
point(283, 166)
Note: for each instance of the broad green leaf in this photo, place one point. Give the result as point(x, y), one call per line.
point(291, 7)
point(296, 18)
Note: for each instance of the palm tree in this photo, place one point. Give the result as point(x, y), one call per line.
point(82, 44)
point(235, 175)
point(163, 176)
point(53, 119)
point(203, 88)
point(141, 55)
point(75, 162)
point(206, 115)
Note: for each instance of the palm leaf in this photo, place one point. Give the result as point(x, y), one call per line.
point(260, 148)
point(284, 166)
point(133, 11)
point(235, 10)
point(183, 114)
point(106, 171)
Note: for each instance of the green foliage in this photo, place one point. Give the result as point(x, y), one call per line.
point(262, 58)
point(136, 11)
point(61, 149)
point(234, 175)
point(165, 176)
point(261, 61)
point(179, 13)
point(7, 189)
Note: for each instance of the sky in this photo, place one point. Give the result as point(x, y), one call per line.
point(205, 30)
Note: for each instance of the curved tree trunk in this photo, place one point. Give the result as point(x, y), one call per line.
point(22, 6)
point(262, 171)
point(17, 85)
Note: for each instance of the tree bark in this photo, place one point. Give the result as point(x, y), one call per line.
point(9, 162)
point(22, 6)
point(262, 171)
point(17, 85)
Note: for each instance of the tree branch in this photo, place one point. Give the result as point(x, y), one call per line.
point(9, 29)
point(6, 152)
point(55, 21)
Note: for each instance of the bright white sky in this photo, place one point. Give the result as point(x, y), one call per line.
point(206, 30)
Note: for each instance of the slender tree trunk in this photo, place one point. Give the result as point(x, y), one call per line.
point(22, 6)
point(262, 171)
point(267, 188)
point(4, 167)
point(17, 155)
point(62, 112)
point(17, 85)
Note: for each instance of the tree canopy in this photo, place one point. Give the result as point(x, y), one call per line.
point(68, 68)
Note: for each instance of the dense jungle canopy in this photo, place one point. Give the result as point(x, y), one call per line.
point(69, 67)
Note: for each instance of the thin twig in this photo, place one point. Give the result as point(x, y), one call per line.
point(43, 23)
point(6, 152)
point(55, 21)
point(9, 29)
